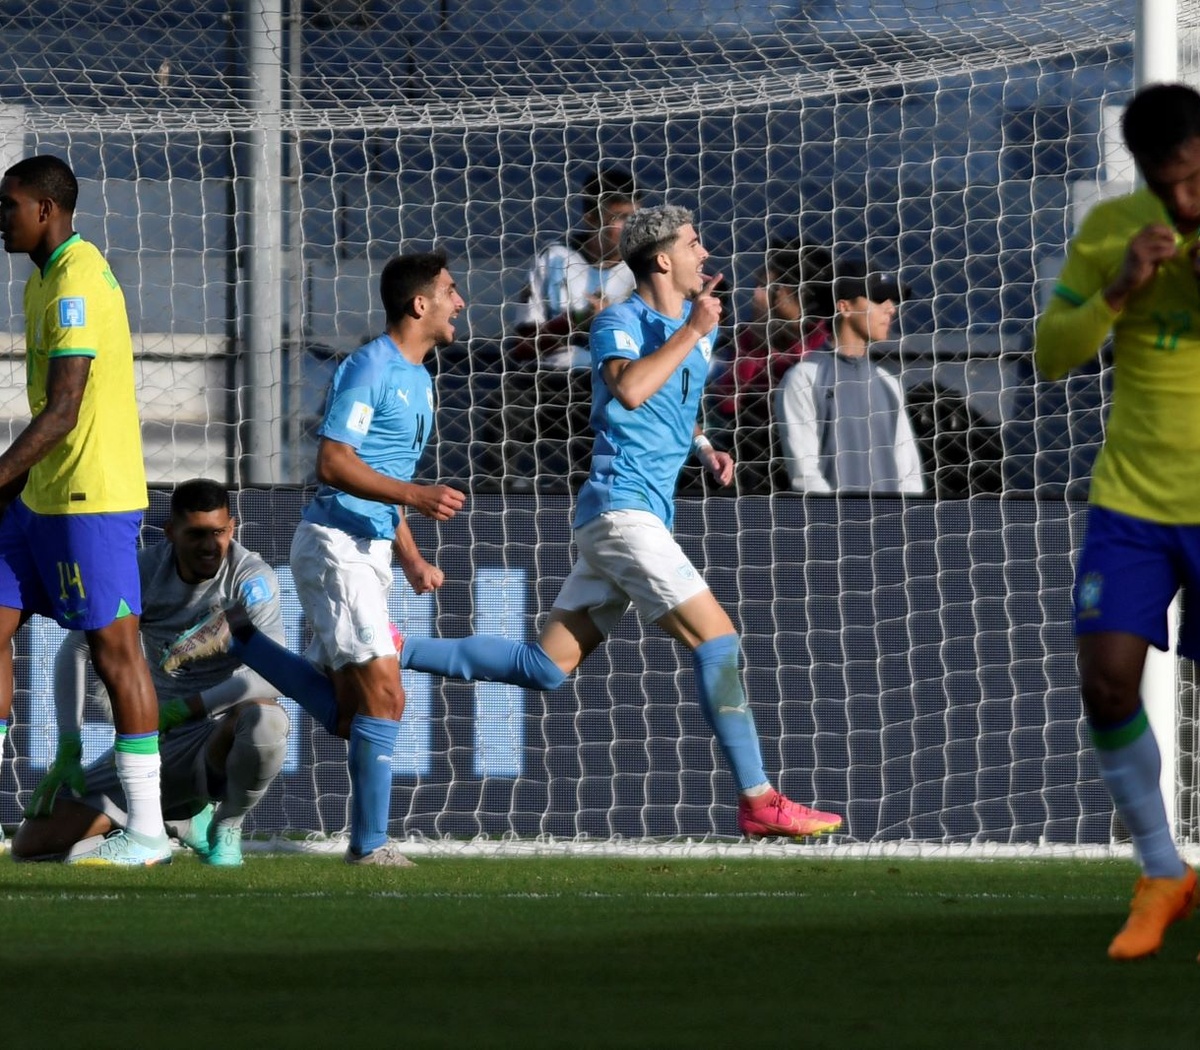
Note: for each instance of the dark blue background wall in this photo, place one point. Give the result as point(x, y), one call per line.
point(909, 665)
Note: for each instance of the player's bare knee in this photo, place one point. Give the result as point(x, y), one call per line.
point(51, 838)
point(1109, 699)
point(381, 691)
point(30, 839)
point(388, 703)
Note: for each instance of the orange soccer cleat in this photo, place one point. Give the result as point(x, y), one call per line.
point(1156, 904)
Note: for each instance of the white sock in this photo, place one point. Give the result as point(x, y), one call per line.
point(143, 798)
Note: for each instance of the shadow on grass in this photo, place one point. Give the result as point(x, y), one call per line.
point(576, 971)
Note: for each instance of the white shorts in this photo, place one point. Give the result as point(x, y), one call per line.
point(628, 556)
point(342, 582)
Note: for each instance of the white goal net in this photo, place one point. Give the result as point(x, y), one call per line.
point(249, 166)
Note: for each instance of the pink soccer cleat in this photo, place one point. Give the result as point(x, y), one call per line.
point(776, 814)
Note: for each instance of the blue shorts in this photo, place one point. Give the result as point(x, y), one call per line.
point(79, 569)
point(1130, 570)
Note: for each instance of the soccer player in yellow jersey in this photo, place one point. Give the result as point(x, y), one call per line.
point(1134, 269)
point(68, 541)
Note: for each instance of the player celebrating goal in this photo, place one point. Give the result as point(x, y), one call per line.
point(1133, 268)
point(650, 357)
point(378, 418)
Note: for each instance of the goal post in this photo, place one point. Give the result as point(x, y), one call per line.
point(249, 168)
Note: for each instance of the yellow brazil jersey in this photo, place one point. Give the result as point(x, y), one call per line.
point(1148, 465)
point(75, 307)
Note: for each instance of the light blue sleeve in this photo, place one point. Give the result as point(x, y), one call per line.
point(352, 400)
point(611, 337)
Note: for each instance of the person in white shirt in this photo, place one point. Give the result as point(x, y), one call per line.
point(572, 281)
point(547, 391)
point(841, 418)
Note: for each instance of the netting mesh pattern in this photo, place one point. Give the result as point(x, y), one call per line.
point(521, 64)
point(915, 676)
point(909, 663)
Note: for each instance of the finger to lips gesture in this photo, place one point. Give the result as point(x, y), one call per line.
point(706, 307)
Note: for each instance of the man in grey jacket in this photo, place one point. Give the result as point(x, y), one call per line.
point(224, 736)
point(841, 418)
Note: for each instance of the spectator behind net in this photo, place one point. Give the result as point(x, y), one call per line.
point(547, 399)
point(843, 423)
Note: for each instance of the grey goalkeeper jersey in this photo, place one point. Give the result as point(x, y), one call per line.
point(170, 607)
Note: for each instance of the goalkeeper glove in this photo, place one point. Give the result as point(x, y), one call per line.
point(66, 769)
point(173, 713)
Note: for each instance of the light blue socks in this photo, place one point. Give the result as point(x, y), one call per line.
point(372, 743)
point(292, 675)
point(484, 658)
point(723, 701)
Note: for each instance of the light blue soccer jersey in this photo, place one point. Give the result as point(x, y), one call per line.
point(637, 454)
point(382, 406)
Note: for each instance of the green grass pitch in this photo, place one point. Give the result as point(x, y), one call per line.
point(301, 951)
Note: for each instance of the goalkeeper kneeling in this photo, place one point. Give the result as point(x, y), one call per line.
point(223, 735)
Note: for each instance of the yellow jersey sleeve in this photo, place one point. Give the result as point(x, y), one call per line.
point(74, 306)
point(1152, 439)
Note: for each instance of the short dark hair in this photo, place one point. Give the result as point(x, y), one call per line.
point(814, 265)
point(804, 267)
point(781, 264)
point(407, 276)
point(198, 496)
point(50, 177)
point(1159, 120)
point(607, 185)
point(795, 261)
point(854, 278)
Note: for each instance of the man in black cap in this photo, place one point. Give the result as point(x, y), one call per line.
point(842, 422)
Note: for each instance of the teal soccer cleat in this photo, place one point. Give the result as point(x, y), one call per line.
point(195, 832)
point(224, 847)
point(209, 637)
